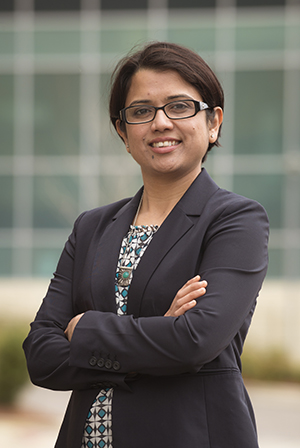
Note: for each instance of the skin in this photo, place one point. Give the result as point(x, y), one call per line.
point(168, 171)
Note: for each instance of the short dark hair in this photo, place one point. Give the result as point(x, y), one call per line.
point(163, 56)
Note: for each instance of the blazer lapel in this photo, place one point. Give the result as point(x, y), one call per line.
point(177, 224)
point(106, 258)
point(164, 239)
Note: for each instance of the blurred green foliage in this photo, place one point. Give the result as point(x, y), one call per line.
point(272, 365)
point(13, 371)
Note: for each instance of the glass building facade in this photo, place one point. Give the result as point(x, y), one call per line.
point(60, 156)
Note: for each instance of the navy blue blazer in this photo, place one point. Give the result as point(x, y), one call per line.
point(177, 380)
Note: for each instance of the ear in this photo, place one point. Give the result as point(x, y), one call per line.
point(215, 124)
point(122, 133)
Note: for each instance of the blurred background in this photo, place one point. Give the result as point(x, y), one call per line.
point(59, 155)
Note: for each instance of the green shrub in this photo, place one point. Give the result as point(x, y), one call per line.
point(13, 372)
point(272, 365)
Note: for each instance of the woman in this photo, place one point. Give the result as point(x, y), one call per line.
point(151, 351)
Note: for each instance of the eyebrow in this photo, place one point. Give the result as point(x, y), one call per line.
point(168, 98)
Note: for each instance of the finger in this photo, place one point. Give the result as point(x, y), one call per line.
point(186, 307)
point(191, 287)
point(192, 295)
point(192, 280)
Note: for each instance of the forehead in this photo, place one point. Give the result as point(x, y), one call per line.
point(151, 85)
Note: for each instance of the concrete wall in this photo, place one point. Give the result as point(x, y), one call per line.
point(276, 323)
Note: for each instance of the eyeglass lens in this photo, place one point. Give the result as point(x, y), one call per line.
point(175, 110)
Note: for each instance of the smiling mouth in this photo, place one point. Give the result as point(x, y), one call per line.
point(165, 144)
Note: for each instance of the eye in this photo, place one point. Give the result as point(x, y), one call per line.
point(141, 111)
point(179, 107)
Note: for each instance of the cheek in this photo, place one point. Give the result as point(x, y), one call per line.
point(135, 136)
point(196, 129)
point(197, 133)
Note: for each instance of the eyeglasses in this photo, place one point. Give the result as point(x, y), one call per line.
point(176, 110)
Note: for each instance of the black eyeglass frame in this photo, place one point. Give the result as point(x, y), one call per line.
point(199, 106)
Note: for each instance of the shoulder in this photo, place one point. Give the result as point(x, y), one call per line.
point(227, 203)
point(93, 218)
point(236, 218)
point(209, 200)
point(225, 211)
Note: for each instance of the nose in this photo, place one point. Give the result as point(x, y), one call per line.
point(161, 121)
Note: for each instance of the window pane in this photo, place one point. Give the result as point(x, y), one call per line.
point(258, 112)
point(294, 37)
point(55, 201)
point(260, 2)
point(109, 139)
point(57, 41)
point(199, 38)
point(5, 261)
point(260, 37)
point(266, 189)
point(56, 117)
point(6, 114)
point(192, 4)
point(6, 5)
point(57, 5)
point(45, 261)
point(121, 4)
point(6, 42)
point(121, 40)
point(6, 201)
point(113, 188)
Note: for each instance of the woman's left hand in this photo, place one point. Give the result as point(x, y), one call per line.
point(71, 326)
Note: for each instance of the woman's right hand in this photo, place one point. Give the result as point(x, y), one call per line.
point(185, 298)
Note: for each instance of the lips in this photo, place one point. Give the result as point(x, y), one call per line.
point(164, 145)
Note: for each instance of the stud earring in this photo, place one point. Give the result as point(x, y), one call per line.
point(212, 135)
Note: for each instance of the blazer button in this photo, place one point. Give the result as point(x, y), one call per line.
point(108, 364)
point(93, 361)
point(116, 365)
point(100, 362)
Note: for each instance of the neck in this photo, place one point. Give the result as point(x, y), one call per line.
point(160, 197)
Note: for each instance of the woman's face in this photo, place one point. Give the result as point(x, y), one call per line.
point(185, 141)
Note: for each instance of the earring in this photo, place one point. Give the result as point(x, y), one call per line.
point(212, 135)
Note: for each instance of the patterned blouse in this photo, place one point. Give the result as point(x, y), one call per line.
point(98, 425)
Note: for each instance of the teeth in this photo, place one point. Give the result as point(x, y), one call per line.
point(163, 144)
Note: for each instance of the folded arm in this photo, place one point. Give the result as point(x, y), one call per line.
point(234, 262)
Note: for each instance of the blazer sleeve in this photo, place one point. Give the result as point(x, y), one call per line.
point(234, 262)
point(47, 349)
